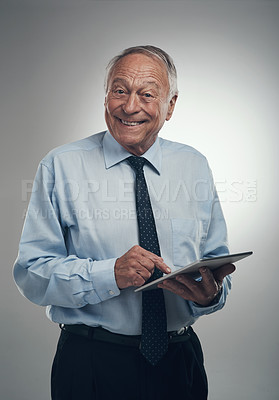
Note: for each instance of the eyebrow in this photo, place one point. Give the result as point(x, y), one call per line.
point(123, 81)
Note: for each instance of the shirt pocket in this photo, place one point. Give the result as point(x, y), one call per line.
point(188, 236)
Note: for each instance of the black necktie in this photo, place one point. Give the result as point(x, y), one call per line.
point(154, 341)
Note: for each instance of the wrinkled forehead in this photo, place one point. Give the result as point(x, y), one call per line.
point(140, 67)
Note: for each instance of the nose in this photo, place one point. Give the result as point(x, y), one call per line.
point(131, 104)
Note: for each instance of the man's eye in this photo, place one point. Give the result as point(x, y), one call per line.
point(147, 95)
point(119, 91)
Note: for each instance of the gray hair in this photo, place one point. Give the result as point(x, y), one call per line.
point(150, 51)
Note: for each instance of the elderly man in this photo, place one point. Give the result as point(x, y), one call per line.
point(109, 213)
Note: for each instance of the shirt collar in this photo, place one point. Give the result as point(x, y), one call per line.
point(114, 153)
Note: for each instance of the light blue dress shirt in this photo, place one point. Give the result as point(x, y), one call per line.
point(82, 217)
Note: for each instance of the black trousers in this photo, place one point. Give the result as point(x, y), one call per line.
point(85, 369)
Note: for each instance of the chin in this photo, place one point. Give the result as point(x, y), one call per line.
point(128, 140)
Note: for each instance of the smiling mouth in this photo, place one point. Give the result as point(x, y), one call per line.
point(130, 123)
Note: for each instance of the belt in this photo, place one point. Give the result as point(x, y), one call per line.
point(103, 335)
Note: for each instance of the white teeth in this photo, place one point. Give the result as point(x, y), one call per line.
point(129, 123)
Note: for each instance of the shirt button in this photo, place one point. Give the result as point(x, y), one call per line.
point(111, 292)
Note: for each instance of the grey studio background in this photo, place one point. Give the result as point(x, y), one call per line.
point(53, 56)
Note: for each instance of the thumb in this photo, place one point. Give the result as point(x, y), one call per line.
point(220, 273)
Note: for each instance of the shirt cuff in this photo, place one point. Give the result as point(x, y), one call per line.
point(217, 304)
point(103, 279)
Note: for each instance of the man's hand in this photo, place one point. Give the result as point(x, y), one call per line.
point(136, 266)
point(202, 292)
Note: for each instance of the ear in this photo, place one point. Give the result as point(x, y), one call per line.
point(171, 107)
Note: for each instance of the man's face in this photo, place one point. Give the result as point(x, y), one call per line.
point(137, 103)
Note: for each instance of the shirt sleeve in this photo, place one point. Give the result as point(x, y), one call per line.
point(44, 271)
point(216, 244)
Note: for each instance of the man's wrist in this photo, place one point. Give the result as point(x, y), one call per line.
point(214, 301)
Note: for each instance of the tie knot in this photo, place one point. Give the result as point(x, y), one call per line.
point(136, 163)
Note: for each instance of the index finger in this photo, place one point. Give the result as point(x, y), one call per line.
point(157, 260)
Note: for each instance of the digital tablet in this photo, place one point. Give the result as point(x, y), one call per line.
point(193, 268)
